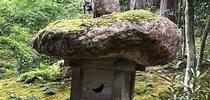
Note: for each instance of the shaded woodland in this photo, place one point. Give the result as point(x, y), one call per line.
point(32, 62)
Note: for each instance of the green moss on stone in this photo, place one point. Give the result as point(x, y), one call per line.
point(135, 16)
point(75, 25)
point(66, 25)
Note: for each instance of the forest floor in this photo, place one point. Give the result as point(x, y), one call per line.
point(147, 84)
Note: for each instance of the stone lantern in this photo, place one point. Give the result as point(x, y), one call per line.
point(105, 52)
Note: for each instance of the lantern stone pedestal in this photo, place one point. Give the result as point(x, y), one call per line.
point(99, 73)
point(103, 79)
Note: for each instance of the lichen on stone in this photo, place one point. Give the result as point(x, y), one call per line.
point(75, 25)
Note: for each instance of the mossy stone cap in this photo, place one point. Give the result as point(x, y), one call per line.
point(137, 35)
point(75, 25)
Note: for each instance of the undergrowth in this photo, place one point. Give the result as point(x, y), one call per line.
point(42, 73)
point(16, 51)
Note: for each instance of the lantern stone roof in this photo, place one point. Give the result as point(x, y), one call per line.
point(137, 35)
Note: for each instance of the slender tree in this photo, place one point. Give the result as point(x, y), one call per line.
point(180, 22)
point(168, 9)
point(190, 41)
point(180, 12)
point(138, 4)
point(102, 7)
point(203, 43)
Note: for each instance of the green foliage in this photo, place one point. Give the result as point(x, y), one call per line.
point(20, 34)
point(36, 14)
point(72, 8)
point(124, 5)
point(44, 72)
point(18, 19)
point(199, 88)
point(3, 25)
point(201, 14)
point(16, 49)
point(10, 72)
point(28, 13)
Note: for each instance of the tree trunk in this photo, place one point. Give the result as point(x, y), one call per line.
point(163, 7)
point(203, 43)
point(103, 7)
point(190, 41)
point(183, 55)
point(180, 22)
point(180, 13)
point(138, 4)
point(168, 9)
point(155, 3)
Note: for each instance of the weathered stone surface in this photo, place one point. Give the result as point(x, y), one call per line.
point(148, 42)
point(103, 7)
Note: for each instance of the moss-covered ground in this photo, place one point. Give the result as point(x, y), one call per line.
point(147, 84)
point(9, 87)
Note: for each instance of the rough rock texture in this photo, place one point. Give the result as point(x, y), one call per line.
point(103, 7)
point(149, 42)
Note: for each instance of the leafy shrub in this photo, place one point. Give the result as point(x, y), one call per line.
point(16, 50)
point(36, 14)
point(20, 34)
point(199, 88)
point(18, 19)
point(10, 72)
point(201, 15)
point(44, 72)
point(124, 5)
point(2, 21)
